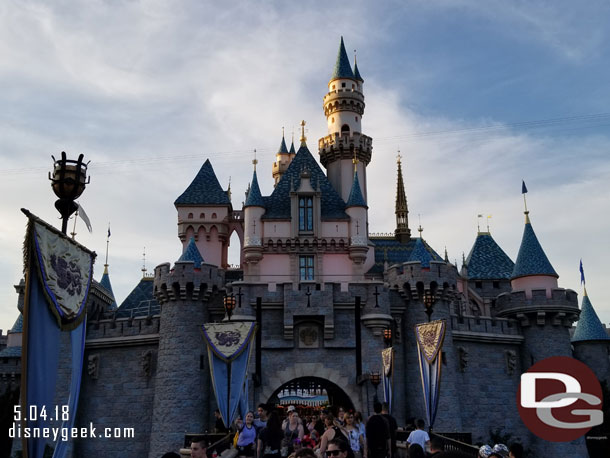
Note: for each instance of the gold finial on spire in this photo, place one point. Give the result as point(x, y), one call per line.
point(303, 137)
point(398, 157)
point(488, 218)
point(144, 263)
point(229, 190)
point(254, 161)
point(282, 131)
point(355, 161)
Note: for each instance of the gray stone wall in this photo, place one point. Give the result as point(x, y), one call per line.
point(596, 355)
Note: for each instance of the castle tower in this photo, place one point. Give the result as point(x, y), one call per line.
point(283, 157)
point(545, 313)
point(204, 209)
point(591, 341)
point(356, 208)
point(254, 208)
point(402, 232)
point(343, 108)
point(182, 384)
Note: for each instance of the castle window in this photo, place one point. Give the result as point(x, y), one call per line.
point(202, 216)
point(306, 213)
point(353, 86)
point(345, 128)
point(478, 284)
point(213, 215)
point(342, 84)
point(306, 267)
point(190, 216)
point(356, 118)
point(333, 87)
point(496, 284)
point(332, 119)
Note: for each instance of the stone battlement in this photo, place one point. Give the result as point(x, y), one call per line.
point(184, 282)
point(481, 327)
point(561, 300)
point(343, 146)
point(406, 276)
point(122, 327)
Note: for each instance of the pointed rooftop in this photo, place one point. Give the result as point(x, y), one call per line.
point(356, 72)
point(277, 205)
point(105, 283)
point(292, 151)
point(254, 199)
point(192, 254)
point(283, 149)
point(531, 259)
point(402, 231)
point(140, 302)
point(356, 199)
point(18, 325)
point(487, 261)
point(343, 69)
point(204, 189)
point(589, 326)
point(420, 253)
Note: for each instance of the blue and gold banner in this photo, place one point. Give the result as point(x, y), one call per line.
point(58, 274)
point(387, 358)
point(430, 338)
point(229, 348)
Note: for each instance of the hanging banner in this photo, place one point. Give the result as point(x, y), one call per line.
point(387, 358)
point(430, 338)
point(229, 348)
point(58, 274)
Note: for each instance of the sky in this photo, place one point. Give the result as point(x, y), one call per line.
point(477, 96)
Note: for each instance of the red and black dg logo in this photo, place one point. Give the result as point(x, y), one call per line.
point(560, 399)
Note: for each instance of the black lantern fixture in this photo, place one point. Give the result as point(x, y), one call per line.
point(229, 304)
point(68, 182)
point(387, 337)
point(375, 378)
point(429, 301)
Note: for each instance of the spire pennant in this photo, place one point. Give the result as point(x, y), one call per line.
point(582, 274)
point(523, 187)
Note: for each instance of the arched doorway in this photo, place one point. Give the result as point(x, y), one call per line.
point(311, 392)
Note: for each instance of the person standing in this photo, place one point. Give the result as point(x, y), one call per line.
point(385, 412)
point(419, 436)
point(293, 430)
point(270, 438)
point(355, 437)
point(261, 421)
point(378, 435)
point(246, 442)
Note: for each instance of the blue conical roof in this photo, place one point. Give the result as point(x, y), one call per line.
point(192, 254)
point(343, 69)
point(254, 199)
point(487, 261)
point(18, 326)
point(355, 199)
point(283, 149)
point(204, 189)
point(105, 282)
point(292, 151)
point(420, 253)
point(531, 259)
point(356, 72)
point(589, 326)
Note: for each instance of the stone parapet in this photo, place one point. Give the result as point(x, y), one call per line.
point(344, 146)
point(184, 282)
point(122, 327)
point(561, 308)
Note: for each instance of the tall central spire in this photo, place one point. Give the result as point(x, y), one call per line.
point(402, 232)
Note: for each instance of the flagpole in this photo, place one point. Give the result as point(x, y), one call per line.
point(107, 243)
point(73, 233)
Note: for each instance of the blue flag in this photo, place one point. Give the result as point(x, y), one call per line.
point(582, 274)
point(523, 187)
point(109, 231)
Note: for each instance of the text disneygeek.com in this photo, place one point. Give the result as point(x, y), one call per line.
point(65, 434)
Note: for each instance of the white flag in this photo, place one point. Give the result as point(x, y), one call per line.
point(83, 215)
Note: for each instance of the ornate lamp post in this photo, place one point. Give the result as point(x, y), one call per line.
point(68, 182)
point(229, 304)
point(387, 337)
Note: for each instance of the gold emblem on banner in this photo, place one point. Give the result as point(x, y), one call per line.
point(387, 357)
point(430, 338)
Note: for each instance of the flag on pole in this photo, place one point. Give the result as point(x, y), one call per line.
point(108, 230)
point(523, 187)
point(83, 215)
point(582, 274)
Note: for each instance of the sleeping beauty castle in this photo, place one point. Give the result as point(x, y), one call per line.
point(339, 313)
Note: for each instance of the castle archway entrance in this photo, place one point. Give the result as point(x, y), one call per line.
point(311, 392)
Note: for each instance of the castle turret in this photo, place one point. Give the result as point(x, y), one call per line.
point(254, 208)
point(402, 232)
point(591, 341)
point(356, 208)
point(186, 293)
point(283, 158)
point(343, 108)
point(105, 282)
point(203, 213)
